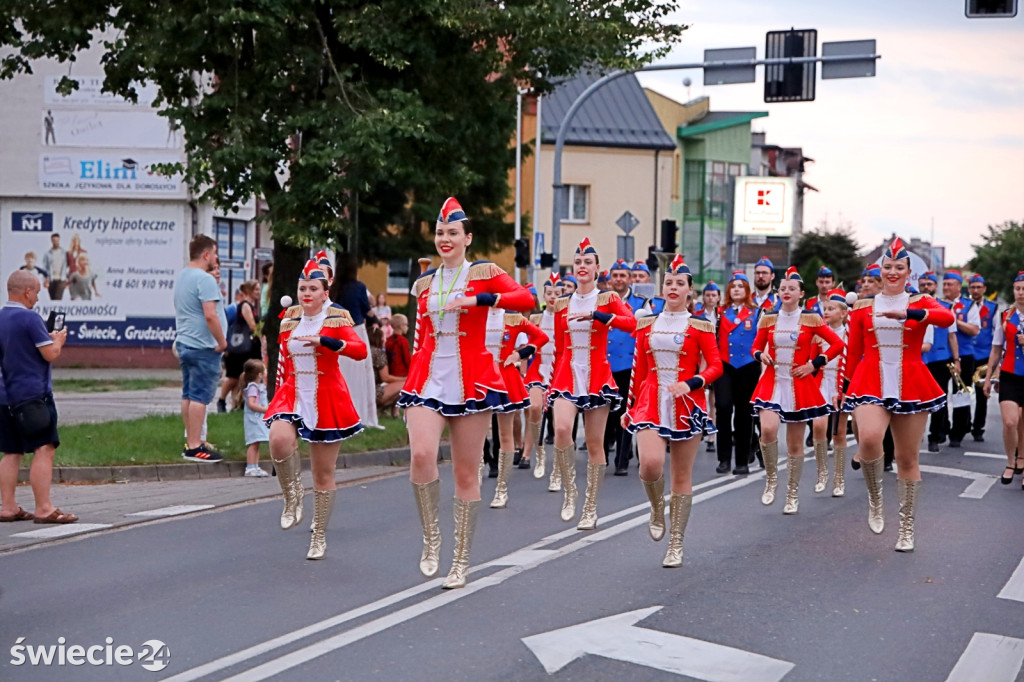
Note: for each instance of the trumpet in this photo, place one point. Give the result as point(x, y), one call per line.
point(979, 374)
point(958, 381)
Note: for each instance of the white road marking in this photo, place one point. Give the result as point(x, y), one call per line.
point(523, 556)
point(988, 657)
point(61, 530)
point(980, 483)
point(989, 455)
point(617, 638)
point(296, 658)
point(1014, 587)
point(173, 511)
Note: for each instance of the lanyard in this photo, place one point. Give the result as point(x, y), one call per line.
point(442, 295)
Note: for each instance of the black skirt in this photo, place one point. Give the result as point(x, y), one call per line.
point(1011, 388)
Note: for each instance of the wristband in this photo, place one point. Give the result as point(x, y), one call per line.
point(603, 318)
point(332, 343)
point(757, 355)
point(525, 352)
point(695, 382)
point(819, 362)
point(487, 300)
point(916, 314)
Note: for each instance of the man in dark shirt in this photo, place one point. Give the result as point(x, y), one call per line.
point(26, 351)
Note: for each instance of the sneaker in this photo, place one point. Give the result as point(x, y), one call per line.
point(222, 406)
point(933, 446)
point(202, 454)
point(255, 472)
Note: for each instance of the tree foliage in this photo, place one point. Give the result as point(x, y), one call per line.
point(834, 248)
point(1000, 256)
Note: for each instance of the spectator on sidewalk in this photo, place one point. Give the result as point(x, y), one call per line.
point(200, 341)
point(243, 344)
point(397, 347)
point(351, 294)
point(256, 431)
point(26, 351)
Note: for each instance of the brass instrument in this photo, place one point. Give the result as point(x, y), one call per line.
point(958, 381)
point(979, 374)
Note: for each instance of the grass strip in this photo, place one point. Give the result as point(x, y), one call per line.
point(107, 385)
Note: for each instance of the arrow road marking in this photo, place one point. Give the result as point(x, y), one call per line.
point(616, 637)
point(992, 658)
point(1014, 587)
point(976, 490)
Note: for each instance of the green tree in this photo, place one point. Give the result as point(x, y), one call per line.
point(1000, 256)
point(835, 248)
point(342, 113)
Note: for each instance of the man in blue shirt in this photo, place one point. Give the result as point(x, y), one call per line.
point(986, 312)
point(944, 349)
point(620, 357)
point(30, 422)
point(968, 324)
point(200, 342)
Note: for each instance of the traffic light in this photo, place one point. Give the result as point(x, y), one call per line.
point(547, 260)
point(522, 253)
point(991, 9)
point(790, 82)
point(652, 260)
point(668, 236)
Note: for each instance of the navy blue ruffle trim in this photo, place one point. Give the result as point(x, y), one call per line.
point(537, 384)
point(700, 424)
point(514, 407)
point(315, 435)
point(493, 400)
point(804, 415)
point(590, 401)
point(895, 405)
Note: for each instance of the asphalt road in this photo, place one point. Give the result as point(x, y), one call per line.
point(760, 596)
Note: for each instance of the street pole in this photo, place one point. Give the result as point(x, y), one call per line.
point(519, 175)
point(535, 217)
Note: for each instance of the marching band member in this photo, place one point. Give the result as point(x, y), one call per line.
point(787, 343)
point(987, 319)
point(641, 274)
point(736, 332)
point(312, 401)
point(890, 385)
point(1006, 366)
point(835, 315)
point(764, 275)
point(538, 378)
point(453, 381)
point(968, 326)
point(620, 358)
point(938, 358)
point(582, 378)
point(825, 280)
point(668, 406)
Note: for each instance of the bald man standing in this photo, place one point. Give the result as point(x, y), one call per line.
point(30, 420)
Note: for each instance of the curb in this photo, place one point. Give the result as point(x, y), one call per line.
point(192, 471)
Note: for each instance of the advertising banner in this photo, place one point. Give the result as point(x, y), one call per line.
point(110, 267)
point(90, 93)
point(764, 206)
point(108, 175)
point(133, 129)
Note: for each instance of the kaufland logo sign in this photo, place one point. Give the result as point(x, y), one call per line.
point(31, 222)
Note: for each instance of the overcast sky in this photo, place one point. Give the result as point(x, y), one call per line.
point(937, 135)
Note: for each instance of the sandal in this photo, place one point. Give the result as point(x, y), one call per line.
point(21, 515)
point(1007, 480)
point(57, 516)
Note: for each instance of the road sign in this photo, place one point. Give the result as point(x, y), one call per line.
point(727, 75)
point(849, 69)
point(624, 248)
point(538, 246)
point(990, 9)
point(794, 81)
point(627, 222)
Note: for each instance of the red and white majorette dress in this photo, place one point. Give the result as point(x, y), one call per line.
point(834, 375)
point(310, 392)
point(538, 374)
point(670, 348)
point(515, 325)
point(791, 339)
point(582, 374)
point(884, 365)
point(452, 372)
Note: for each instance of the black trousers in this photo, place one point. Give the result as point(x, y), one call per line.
point(938, 431)
point(614, 434)
point(734, 417)
point(962, 415)
point(981, 402)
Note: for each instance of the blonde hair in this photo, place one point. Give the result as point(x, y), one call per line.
point(398, 319)
point(251, 371)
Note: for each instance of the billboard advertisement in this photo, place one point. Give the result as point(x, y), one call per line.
point(110, 267)
point(119, 175)
point(763, 206)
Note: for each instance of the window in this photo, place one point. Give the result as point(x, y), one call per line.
point(575, 209)
point(231, 236)
point(398, 276)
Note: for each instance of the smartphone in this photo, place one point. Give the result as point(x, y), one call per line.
point(55, 322)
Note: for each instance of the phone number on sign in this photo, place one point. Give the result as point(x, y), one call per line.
point(141, 284)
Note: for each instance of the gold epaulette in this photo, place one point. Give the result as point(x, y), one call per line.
point(768, 319)
point(811, 320)
point(483, 270)
point(293, 311)
point(289, 324)
point(422, 283)
point(514, 319)
point(561, 303)
point(645, 321)
point(702, 325)
point(605, 297)
point(863, 303)
point(338, 317)
point(536, 318)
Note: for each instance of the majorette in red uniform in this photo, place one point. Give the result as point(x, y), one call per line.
point(454, 381)
point(582, 378)
point(668, 405)
point(891, 386)
point(538, 378)
point(788, 342)
point(832, 382)
point(509, 358)
point(1006, 368)
point(311, 401)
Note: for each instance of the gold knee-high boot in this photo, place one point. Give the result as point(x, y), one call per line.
point(678, 516)
point(656, 494)
point(565, 460)
point(323, 503)
point(465, 524)
point(770, 454)
point(838, 483)
point(796, 467)
point(821, 458)
point(289, 476)
point(595, 474)
point(428, 497)
point(500, 500)
point(555, 481)
point(909, 493)
point(533, 435)
point(873, 479)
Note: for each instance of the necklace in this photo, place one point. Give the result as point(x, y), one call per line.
point(442, 295)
